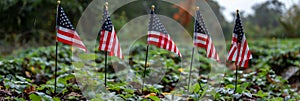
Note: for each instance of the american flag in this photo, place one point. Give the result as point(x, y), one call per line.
point(66, 32)
point(158, 35)
point(108, 37)
point(202, 38)
point(239, 50)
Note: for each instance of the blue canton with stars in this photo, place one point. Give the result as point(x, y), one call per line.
point(63, 20)
point(238, 28)
point(199, 24)
point(155, 24)
point(107, 24)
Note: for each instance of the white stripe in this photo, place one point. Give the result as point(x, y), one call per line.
point(231, 52)
point(70, 39)
point(162, 42)
point(168, 44)
point(116, 47)
point(246, 52)
point(241, 60)
point(177, 52)
point(208, 48)
point(104, 40)
point(173, 46)
point(111, 40)
point(201, 35)
point(200, 41)
point(68, 30)
point(234, 45)
point(213, 49)
point(245, 57)
point(154, 32)
point(248, 48)
point(153, 39)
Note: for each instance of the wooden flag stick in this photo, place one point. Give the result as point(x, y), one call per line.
point(56, 52)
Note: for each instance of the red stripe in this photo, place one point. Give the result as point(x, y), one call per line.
point(232, 53)
point(246, 62)
point(201, 38)
point(162, 36)
point(165, 43)
point(170, 45)
point(200, 45)
point(70, 34)
point(101, 39)
point(153, 43)
point(208, 52)
point(113, 44)
point(159, 40)
point(239, 54)
point(153, 36)
point(111, 53)
point(163, 40)
point(243, 52)
point(214, 49)
point(71, 43)
point(176, 50)
point(248, 57)
point(234, 39)
point(108, 41)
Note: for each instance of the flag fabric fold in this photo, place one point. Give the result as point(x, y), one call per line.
point(66, 32)
point(202, 39)
point(158, 35)
point(108, 40)
point(239, 49)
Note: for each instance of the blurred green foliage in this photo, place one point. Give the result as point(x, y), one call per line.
point(31, 23)
point(28, 74)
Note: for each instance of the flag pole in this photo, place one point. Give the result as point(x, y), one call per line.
point(56, 51)
point(55, 81)
point(147, 51)
point(236, 77)
point(105, 67)
point(145, 68)
point(191, 69)
point(191, 65)
point(236, 67)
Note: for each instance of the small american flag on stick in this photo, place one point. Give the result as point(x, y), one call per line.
point(158, 35)
point(66, 32)
point(239, 49)
point(108, 37)
point(202, 38)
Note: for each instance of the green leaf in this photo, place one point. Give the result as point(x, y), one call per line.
point(261, 94)
point(56, 99)
point(230, 86)
point(34, 97)
point(88, 56)
point(196, 88)
point(154, 98)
